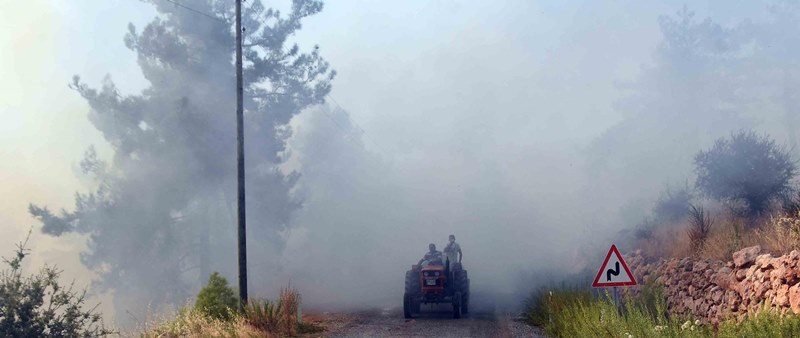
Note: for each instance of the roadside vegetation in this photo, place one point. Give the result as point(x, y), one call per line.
point(744, 194)
point(39, 305)
point(215, 314)
point(567, 312)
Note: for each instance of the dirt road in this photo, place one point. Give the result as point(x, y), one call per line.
point(485, 320)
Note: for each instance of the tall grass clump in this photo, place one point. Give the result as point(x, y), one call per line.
point(583, 313)
point(765, 323)
point(281, 316)
point(700, 223)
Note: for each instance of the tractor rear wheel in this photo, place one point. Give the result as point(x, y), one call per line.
point(413, 286)
point(412, 291)
point(407, 306)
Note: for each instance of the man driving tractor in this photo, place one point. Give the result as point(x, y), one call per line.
point(432, 257)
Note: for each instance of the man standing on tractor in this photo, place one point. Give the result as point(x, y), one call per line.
point(432, 257)
point(453, 251)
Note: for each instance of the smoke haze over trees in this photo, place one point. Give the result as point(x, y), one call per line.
point(157, 220)
point(476, 138)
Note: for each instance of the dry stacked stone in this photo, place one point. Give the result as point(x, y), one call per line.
point(714, 290)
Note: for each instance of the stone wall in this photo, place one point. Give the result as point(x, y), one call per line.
point(714, 290)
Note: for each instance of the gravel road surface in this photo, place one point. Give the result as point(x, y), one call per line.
point(484, 320)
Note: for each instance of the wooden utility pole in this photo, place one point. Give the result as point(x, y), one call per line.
point(240, 161)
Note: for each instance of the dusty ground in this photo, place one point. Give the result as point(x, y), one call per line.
point(483, 321)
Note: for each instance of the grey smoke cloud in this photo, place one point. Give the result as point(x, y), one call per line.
point(521, 128)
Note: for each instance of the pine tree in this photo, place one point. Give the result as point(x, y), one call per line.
point(161, 216)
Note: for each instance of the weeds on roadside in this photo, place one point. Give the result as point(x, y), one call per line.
point(580, 313)
point(260, 318)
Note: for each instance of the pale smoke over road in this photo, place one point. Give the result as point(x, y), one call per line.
point(533, 132)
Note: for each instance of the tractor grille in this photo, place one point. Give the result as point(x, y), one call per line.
point(431, 281)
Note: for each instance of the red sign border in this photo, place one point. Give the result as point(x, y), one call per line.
point(596, 283)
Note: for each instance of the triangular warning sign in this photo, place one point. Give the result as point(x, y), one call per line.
point(614, 271)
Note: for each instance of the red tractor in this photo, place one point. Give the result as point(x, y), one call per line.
point(434, 284)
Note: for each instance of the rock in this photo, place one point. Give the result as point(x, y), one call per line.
point(740, 275)
point(750, 274)
point(779, 274)
point(716, 296)
point(700, 266)
point(746, 256)
point(764, 261)
point(782, 296)
point(794, 298)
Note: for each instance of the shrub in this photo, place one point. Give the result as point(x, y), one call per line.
point(217, 299)
point(38, 306)
point(746, 168)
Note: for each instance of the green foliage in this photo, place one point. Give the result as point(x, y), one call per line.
point(217, 299)
point(579, 313)
point(747, 168)
point(38, 306)
point(765, 323)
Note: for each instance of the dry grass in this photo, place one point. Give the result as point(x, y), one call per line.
point(780, 235)
point(193, 323)
point(720, 237)
point(278, 317)
point(666, 242)
point(261, 318)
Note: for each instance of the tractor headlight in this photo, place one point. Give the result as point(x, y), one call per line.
point(436, 274)
point(426, 274)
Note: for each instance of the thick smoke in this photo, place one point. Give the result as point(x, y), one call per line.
point(489, 144)
point(528, 210)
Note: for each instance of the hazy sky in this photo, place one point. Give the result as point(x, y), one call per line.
point(424, 79)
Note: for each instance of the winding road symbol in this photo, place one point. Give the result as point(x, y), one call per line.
point(612, 269)
point(614, 272)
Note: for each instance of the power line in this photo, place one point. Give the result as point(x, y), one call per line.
point(326, 110)
point(364, 132)
point(195, 10)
